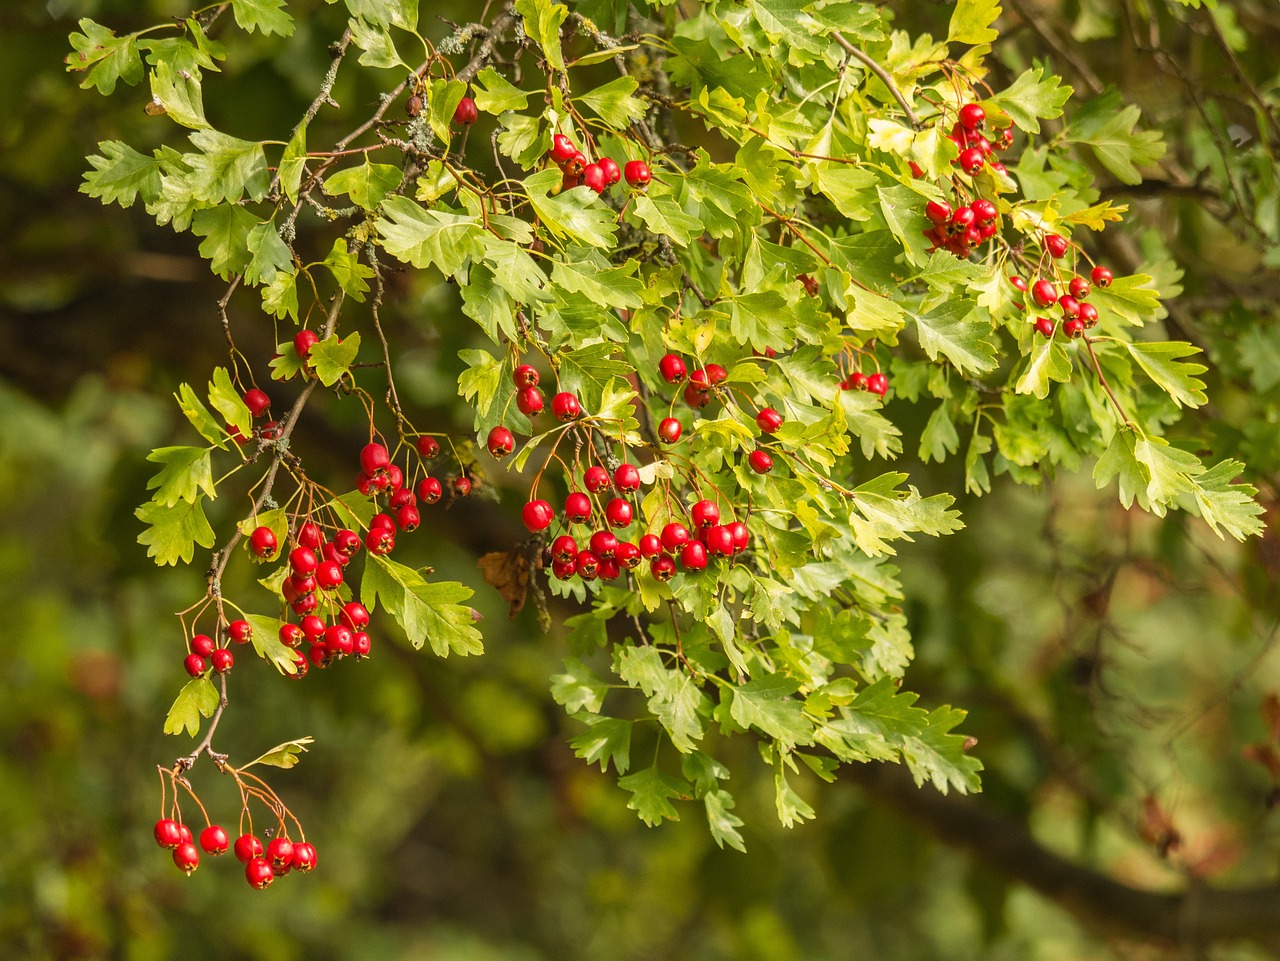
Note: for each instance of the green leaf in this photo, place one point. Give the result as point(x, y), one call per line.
point(971, 22)
point(106, 57)
point(883, 514)
point(1131, 299)
point(589, 371)
point(1170, 471)
point(1106, 125)
point(267, 16)
point(614, 104)
point(1226, 506)
point(903, 210)
point(374, 40)
point(939, 437)
point(443, 97)
point(948, 330)
point(426, 238)
point(722, 821)
point(280, 300)
point(875, 432)
point(332, 357)
point(226, 230)
point(651, 793)
point(347, 270)
point(198, 698)
point(174, 531)
point(662, 215)
point(185, 473)
point(368, 184)
point(674, 697)
point(606, 739)
point(792, 808)
point(938, 756)
point(120, 175)
point(227, 401)
point(494, 93)
point(293, 163)
point(203, 421)
point(267, 643)
point(284, 755)
point(578, 688)
point(576, 214)
point(226, 168)
point(1048, 362)
point(269, 256)
point(1033, 97)
point(586, 272)
point(1119, 462)
point(179, 93)
point(768, 705)
point(392, 13)
point(542, 20)
point(427, 611)
point(1175, 377)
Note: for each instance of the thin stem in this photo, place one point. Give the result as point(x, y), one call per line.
point(883, 74)
point(1102, 379)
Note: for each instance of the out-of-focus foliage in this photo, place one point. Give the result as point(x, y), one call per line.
point(1115, 665)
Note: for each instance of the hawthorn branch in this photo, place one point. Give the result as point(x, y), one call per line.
point(880, 72)
point(1196, 917)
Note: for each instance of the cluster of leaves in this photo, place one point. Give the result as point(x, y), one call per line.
point(787, 247)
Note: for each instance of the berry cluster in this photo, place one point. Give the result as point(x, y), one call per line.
point(205, 653)
point(1077, 316)
point(600, 175)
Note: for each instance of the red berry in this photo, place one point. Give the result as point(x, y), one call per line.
point(704, 514)
point(971, 161)
point(760, 461)
point(302, 560)
point(310, 535)
point(573, 167)
point(395, 478)
point(537, 515)
point(938, 211)
point(429, 490)
point(877, 383)
point(501, 442)
point(618, 512)
point(672, 369)
point(525, 375)
point(300, 666)
point(262, 542)
point(361, 644)
point(187, 857)
point(1101, 276)
point(650, 545)
point(564, 548)
point(258, 873)
point(564, 569)
point(627, 477)
point(1044, 325)
point(408, 518)
point(304, 857)
point(595, 178)
point(984, 210)
point(577, 508)
point(1079, 288)
point(855, 381)
point(240, 631)
point(319, 656)
point(202, 644)
point(565, 406)
point(627, 555)
point(595, 478)
point(529, 401)
point(1018, 283)
point(637, 173)
point(674, 536)
point(696, 397)
point(214, 840)
point(719, 540)
point(374, 458)
point(1089, 314)
point(693, 556)
point(1056, 244)
point(562, 148)
point(380, 541)
point(355, 615)
point(222, 660)
point(1070, 306)
point(301, 584)
point(365, 484)
point(662, 567)
point(427, 446)
point(328, 575)
point(291, 634)
point(248, 847)
point(461, 486)
point(669, 430)
point(465, 114)
point(741, 536)
point(1044, 293)
point(916, 170)
point(610, 569)
point(401, 497)
point(312, 627)
point(257, 401)
point(612, 172)
point(769, 420)
point(716, 374)
point(167, 833)
point(972, 116)
point(603, 544)
point(303, 341)
point(384, 521)
point(588, 565)
point(1073, 327)
point(963, 219)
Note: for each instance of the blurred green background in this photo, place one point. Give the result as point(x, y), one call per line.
point(1115, 665)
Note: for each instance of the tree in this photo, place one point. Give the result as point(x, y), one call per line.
point(784, 324)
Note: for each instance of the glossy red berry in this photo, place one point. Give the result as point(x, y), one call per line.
point(303, 341)
point(500, 442)
point(222, 660)
point(1079, 288)
point(262, 542)
point(741, 536)
point(696, 397)
point(258, 873)
point(565, 406)
point(650, 545)
point(984, 210)
point(1070, 306)
point(214, 840)
point(537, 515)
point(627, 555)
point(313, 627)
point(587, 565)
point(529, 401)
point(855, 381)
point(429, 490)
point(524, 376)
point(248, 847)
point(380, 541)
point(240, 631)
point(878, 383)
point(612, 172)
point(595, 178)
point(361, 644)
point(461, 486)
point(465, 114)
point(704, 514)
point(1073, 327)
point(310, 535)
point(971, 161)
point(672, 369)
point(304, 857)
point(1089, 315)
point(577, 508)
point(187, 857)
point(1044, 293)
point(719, 540)
point(627, 477)
point(385, 521)
point(669, 430)
point(1044, 326)
point(167, 833)
point(257, 401)
point(427, 446)
point(291, 634)
point(674, 536)
point(938, 211)
point(595, 478)
point(202, 644)
point(769, 420)
point(693, 556)
point(280, 854)
point(972, 116)
point(662, 567)
point(562, 148)
point(565, 569)
point(760, 461)
point(1018, 283)
point(603, 544)
point(564, 548)
point(637, 173)
point(1056, 244)
point(408, 517)
point(355, 615)
point(618, 512)
point(1101, 276)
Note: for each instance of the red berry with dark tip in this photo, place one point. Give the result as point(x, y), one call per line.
point(565, 406)
point(669, 430)
point(704, 514)
point(693, 556)
point(525, 375)
point(627, 477)
point(564, 548)
point(202, 644)
point(696, 397)
point(187, 857)
point(587, 565)
point(562, 148)
point(313, 627)
point(1101, 276)
point(637, 173)
point(972, 116)
point(429, 490)
point(537, 515)
point(500, 442)
point(167, 833)
point(529, 401)
point(769, 420)
point(577, 508)
point(741, 536)
point(262, 542)
point(674, 536)
point(984, 210)
point(662, 567)
point(1079, 288)
point(461, 486)
point(291, 634)
point(1073, 327)
point(595, 478)
point(240, 631)
point(1089, 315)
point(465, 114)
point(248, 847)
point(380, 541)
point(971, 161)
point(618, 512)
point(594, 177)
point(627, 555)
point(938, 211)
point(427, 446)
point(222, 660)
point(355, 615)
point(1070, 306)
point(373, 458)
point(214, 840)
point(603, 544)
point(1056, 244)
point(760, 461)
point(304, 857)
point(1044, 293)
point(612, 172)
point(719, 540)
point(1044, 326)
point(650, 545)
point(672, 369)
point(259, 874)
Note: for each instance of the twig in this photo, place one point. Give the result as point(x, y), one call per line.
point(883, 74)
